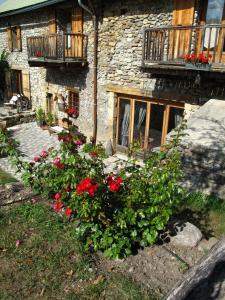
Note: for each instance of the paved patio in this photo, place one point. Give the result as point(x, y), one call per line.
point(33, 140)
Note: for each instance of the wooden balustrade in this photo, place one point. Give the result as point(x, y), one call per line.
point(170, 44)
point(61, 47)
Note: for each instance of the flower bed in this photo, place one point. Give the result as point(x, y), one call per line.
point(114, 213)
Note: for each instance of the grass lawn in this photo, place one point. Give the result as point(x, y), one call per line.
point(206, 212)
point(49, 263)
point(6, 178)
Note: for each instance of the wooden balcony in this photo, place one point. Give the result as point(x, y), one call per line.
point(165, 47)
point(57, 49)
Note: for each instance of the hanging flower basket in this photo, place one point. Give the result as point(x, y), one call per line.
point(205, 67)
point(197, 62)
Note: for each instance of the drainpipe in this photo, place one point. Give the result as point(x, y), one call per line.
point(95, 64)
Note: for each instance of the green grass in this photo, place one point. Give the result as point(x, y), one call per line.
point(49, 262)
point(207, 212)
point(6, 178)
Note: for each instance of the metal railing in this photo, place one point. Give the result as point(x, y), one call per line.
point(170, 44)
point(66, 46)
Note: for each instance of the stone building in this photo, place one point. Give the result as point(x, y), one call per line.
point(119, 63)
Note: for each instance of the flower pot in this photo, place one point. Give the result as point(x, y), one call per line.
point(40, 123)
point(197, 66)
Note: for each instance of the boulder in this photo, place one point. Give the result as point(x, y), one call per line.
point(188, 235)
point(206, 245)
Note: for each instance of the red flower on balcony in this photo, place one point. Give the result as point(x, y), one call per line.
point(197, 59)
point(38, 54)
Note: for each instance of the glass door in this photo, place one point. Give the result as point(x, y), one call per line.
point(139, 127)
point(156, 126)
point(123, 123)
point(146, 123)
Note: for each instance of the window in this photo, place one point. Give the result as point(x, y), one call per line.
point(14, 38)
point(73, 101)
point(146, 122)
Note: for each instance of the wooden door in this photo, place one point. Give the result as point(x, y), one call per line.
point(26, 83)
point(183, 15)
point(16, 82)
point(8, 88)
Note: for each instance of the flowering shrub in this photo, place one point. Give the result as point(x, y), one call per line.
point(72, 112)
point(197, 59)
point(115, 212)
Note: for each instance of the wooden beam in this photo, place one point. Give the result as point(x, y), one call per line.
point(151, 95)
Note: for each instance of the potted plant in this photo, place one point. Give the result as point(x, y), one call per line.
point(40, 116)
point(198, 62)
point(50, 119)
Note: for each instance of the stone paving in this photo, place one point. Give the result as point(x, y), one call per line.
point(32, 141)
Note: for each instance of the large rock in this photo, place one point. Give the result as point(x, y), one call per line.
point(187, 236)
point(204, 151)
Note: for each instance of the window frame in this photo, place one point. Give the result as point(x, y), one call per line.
point(133, 99)
point(72, 92)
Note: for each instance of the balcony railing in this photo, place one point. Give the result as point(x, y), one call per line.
point(169, 45)
point(66, 47)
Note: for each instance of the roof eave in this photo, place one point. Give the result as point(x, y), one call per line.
point(29, 8)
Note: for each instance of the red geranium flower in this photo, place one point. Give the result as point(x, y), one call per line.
point(57, 162)
point(44, 153)
point(93, 154)
point(87, 185)
point(72, 111)
point(205, 60)
point(78, 142)
point(68, 211)
point(37, 158)
point(114, 183)
point(57, 206)
point(57, 196)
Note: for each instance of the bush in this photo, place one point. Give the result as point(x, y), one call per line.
point(40, 115)
point(114, 212)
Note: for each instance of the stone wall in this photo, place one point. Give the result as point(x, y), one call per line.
point(32, 24)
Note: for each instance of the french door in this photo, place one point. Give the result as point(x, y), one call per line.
point(146, 122)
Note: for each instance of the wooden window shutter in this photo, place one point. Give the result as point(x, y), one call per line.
point(8, 89)
point(10, 45)
point(26, 83)
point(77, 20)
point(77, 27)
point(18, 38)
point(52, 22)
point(183, 12)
